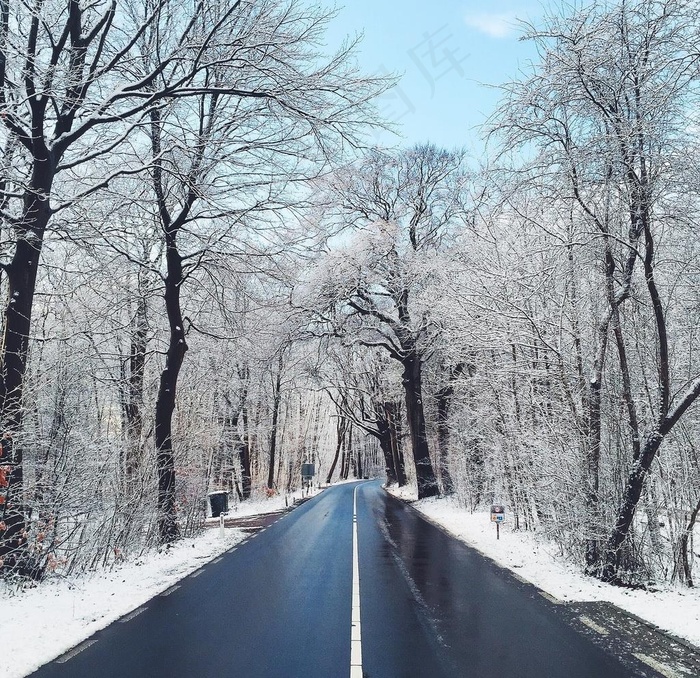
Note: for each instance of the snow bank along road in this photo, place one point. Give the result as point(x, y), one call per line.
point(352, 583)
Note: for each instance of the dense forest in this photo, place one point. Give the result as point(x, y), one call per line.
point(210, 276)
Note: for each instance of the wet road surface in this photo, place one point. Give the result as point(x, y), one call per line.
point(464, 615)
point(280, 604)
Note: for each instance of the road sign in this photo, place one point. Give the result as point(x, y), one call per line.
point(498, 513)
point(308, 471)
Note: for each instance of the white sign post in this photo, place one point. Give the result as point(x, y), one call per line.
point(498, 515)
point(222, 517)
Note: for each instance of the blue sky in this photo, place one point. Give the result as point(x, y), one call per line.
point(446, 52)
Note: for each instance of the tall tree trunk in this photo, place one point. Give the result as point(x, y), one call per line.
point(340, 427)
point(243, 434)
point(641, 220)
point(384, 437)
point(443, 399)
point(276, 400)
point(21, 277)
point(344, 459)
point(593, 473)
point(133, 405)
point(244, 456)
point(443, 438)
point(350, 453)
point(177, 346)
point(592, 461)
point(412, 383)
point(359, 465)
point(167, 389)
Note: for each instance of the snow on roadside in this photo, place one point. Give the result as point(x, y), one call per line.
point(42, 623)
point(673, 609)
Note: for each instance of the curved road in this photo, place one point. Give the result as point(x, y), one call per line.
point(280, 606)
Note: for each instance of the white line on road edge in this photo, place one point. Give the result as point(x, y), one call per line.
point(592, 625)
point(76, 650)
point(356, 632)
point(550, 598)
point(132, 614)
point(664, 670)
point(174, 587)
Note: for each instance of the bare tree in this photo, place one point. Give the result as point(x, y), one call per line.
point(69, 96)
point(404, 207)
point(605, 110)
point(361, 385)
point(82, 80)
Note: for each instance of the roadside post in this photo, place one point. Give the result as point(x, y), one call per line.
point(498, 515)
point(222, 517)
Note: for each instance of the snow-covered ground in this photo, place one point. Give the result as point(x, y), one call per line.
point(674, 609)
point(40, 623)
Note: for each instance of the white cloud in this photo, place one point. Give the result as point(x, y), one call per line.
point(494, 25)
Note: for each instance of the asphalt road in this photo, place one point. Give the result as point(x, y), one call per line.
point(280, 606)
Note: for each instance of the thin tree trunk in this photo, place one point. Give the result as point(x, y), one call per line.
point(360, 466)
point(344, 459)
point(393, 419)
point(350, 453)
point(133, 407)
point(243, 445)
point(683, 562)
point(592, 461)
point(276, 399)
point(244, 456)
point(641, 221)
point(384, 438)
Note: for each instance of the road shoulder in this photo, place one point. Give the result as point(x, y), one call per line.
point(624, 622)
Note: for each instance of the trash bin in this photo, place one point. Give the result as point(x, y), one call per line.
point(218, 501)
